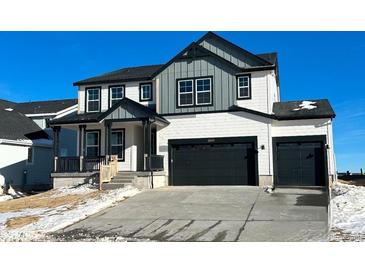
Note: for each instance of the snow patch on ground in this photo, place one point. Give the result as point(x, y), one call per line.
point(348, 209)
point(53, 219)
point(306, 105)
point(5, 198)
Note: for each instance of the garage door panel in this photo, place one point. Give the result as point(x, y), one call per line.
point(300, 164)
point(213, 164)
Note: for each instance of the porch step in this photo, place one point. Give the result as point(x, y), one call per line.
point(111, 185)
point(123, 180)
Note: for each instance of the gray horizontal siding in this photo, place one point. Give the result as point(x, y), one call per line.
point(224, 84)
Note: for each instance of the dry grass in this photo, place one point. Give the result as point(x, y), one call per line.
point(45, 200)
point(19, 222)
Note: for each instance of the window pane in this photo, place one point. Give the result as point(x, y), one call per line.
point(117, 92)
point(243, 81)
point(92, 151)
point(186, 99)
point(244, 92)
point(203, 98)
point(186, 86)
point(93, 106)
point(117, 138)
point(203, 84)
point(117, 150)
point(93, 94)
point(92, 139)
point(146, 91)
point(30, 155)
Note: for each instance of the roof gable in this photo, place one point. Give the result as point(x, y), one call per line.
point(232, 52)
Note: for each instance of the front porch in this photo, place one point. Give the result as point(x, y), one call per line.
point(127, 130)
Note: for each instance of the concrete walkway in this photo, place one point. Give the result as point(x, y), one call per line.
point(213, 213)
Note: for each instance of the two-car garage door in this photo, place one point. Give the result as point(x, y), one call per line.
point(223, 161)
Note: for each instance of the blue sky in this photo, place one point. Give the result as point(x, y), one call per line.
point(313, 65)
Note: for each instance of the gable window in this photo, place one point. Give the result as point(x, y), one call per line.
point(203, 89)
point(117, 143)
point(93, 100)
point(145, 92)
point(244, 87)
point(92, 143)
point(116, 94)
point(185, 93)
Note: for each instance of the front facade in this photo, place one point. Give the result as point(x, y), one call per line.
point(212, 115)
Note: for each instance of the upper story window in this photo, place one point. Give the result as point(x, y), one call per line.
point(194, 92)
point(203, 89)
point(116, 93)
point(93, 99)
point(185, 93)
point(145, 92)
point(244, 87)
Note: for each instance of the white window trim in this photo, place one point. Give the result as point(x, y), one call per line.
point(203, 91)
point(178, 92)
point(248, 86)
point(120, 145)
point(110, 94)
point(87, 99)
point(141, 91)
point(97, 145)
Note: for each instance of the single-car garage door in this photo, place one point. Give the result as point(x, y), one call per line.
point(213, 162)
point(300, 164)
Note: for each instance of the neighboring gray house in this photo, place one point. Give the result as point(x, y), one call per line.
point(212, 115)
point(26, 146)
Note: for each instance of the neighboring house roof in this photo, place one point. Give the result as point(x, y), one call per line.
point(131, 110)
point(145, 73)
point(43, 107)
point(6, 104)
point(122, 75)
point(16, 126)
point(304, 109)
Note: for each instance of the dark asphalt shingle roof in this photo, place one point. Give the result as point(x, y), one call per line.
point(16, 126)
point(6, 104)
point(40, 107)
point(292, 110)
point(271, 57)
point(122, 75)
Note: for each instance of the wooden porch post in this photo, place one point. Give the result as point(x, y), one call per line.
point(56, 145)
point(147, 144)
point(82, 146)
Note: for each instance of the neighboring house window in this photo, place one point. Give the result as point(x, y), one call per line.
point(93, 99)
point(145, 92)
point(116, 94)
point(30, 155)
point(244, 87)
point(185, 93)
point(92, 143)
point(117, 143)
point(203, 89)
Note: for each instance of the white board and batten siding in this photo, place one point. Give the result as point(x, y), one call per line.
point(215, 125)
point(131, 92)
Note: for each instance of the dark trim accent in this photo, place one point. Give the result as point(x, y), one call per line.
point(97, 82)
point(140, 91)
point(85, 134)
point(86, 99)
point(194, 91)
point(300, 139)
point(211, 34)
point(249, 87)
point(217, 140)
point(109, 95)
point(251, 111)
point(309, 117)
point(110, 145)
point(126, 120)
point(263, 68)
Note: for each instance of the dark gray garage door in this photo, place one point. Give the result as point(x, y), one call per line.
point(300, 164)
point(213, 164)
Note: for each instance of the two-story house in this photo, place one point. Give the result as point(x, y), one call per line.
point(212, 115)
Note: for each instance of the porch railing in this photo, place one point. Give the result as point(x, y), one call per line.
point(80, 164)
point(156, 162)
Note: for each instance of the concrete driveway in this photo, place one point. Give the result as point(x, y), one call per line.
point(212, 213)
